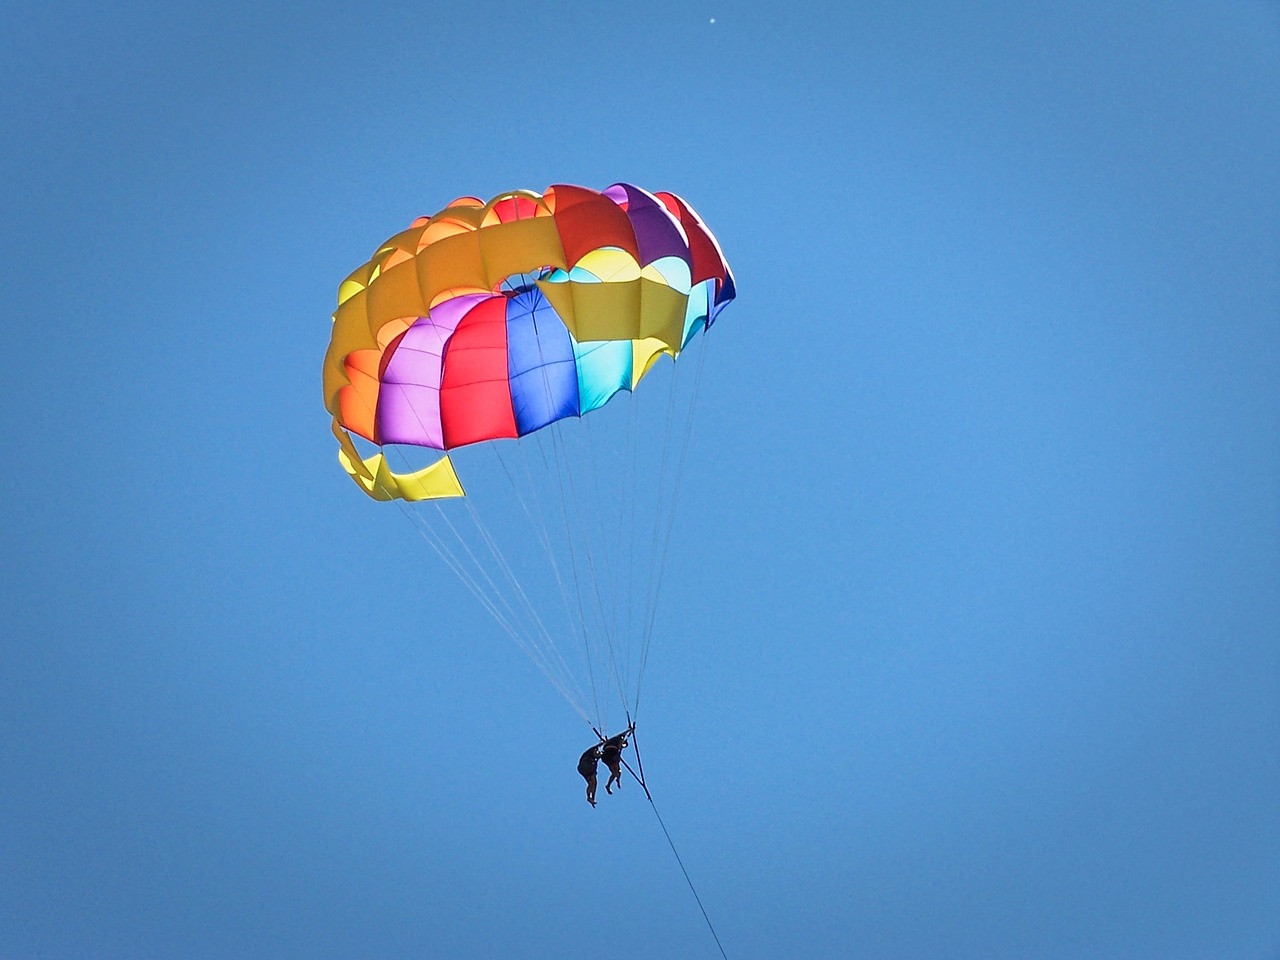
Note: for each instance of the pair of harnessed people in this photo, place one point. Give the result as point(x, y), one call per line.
point(610, 751)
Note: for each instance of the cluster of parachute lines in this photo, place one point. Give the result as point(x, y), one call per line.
point(563, 539)
point(498, 333)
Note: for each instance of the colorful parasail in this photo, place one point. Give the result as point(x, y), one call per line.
point(493, 320)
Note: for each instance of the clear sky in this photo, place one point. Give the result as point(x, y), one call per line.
point(971, 646)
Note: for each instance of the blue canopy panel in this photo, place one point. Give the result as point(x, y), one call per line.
point(540, 363)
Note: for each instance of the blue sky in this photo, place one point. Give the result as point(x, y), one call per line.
point(970, 646)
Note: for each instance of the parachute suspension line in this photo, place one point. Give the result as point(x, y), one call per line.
point(609, 617)
point(629, 522)
point(675, 499)
point(566, 461)
point(533, 639)
point(546, 386)
point(649, 611)
point(598, 510)
point(653, 575)
point(526, 639)
point(459, 570)
point(644, 498)
point(639, 778)
point(490, 601)
point(577, 583)
point(542, 531)
point(504, 620)
point(536, 642)
point(523, 634)
point(690, 412)
point(578, 621)
point(549, 649)
point(496, 553)
point(540, 528)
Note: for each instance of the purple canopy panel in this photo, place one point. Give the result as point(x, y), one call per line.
point(409, 401)
point(658, 234)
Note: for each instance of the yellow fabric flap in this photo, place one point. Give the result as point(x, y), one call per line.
point(436, 481)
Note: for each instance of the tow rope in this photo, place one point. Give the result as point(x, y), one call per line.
point(639, 778)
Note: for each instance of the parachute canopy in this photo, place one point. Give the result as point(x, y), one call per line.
point(494, 320)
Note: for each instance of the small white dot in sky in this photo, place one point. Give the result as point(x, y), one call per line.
point(713, 19)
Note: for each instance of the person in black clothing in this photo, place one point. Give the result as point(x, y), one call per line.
point(611, 754)
point(587, 767)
